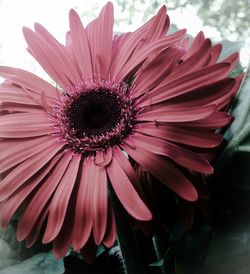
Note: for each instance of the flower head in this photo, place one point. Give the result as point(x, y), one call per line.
point(143, 97)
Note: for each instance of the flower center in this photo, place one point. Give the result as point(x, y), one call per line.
point(91, 118)
point(95, 113)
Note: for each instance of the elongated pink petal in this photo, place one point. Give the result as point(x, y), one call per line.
point(41, 198)
point(176, 115)
point(157, 70)
point(15, 107)
point(215, 54)
point(34, 233)
point(21, 125)
point(83, 214)
point(10, 205)
point(100, 201)
point(214, 121)
point(126, 192)
point(149, 50)
point(14, 94)
point(80, 47)
point(63, 240)
point(188, 134)
point(59, 52)
point(207, 94)
point(110, 235)
point(100, 34)
point(60, 200)
point(233, 59)
point(131, 41)
point(17, 176)
point(164, 171)
point(124, 163)
point(196, 60)
point(47, 58)
point(193, 80)
point(27, 80)
point(181, 156)
point(17, 154)
point(198, 40)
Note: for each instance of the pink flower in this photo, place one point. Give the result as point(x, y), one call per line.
point(139, 97)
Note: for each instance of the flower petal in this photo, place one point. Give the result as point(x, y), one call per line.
point(181, 156)
point(191, 134)
point(83, 214)
point(14, 94)
point(14, 155)
point(148, 51)
point(47, 58)
point(41, 197)
point(126, 192)
point(176, 115)
point(80, 46)
point(100, 34)
point(21, 125)
point(157, 70)
point(11, 204)
point(186, 83)
point(100, 201)
point(59, 52)
point(27, 80)
point(129, 42)
point(110, 235)
point(164, 171)
point(17, 177)
point(60, 200)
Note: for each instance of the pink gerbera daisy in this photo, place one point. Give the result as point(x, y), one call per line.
point(143, 97)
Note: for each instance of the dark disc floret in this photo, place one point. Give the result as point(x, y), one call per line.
point(95, 118)
point(94, 113)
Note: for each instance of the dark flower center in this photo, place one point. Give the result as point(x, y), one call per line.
point(94, 119)
point(94, 113)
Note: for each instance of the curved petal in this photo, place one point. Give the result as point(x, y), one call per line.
point(148, 51)
point(126, 192)
point(181, 156)
point(176, 115)
point(196, 133)
point(63, 240)
point(17, 177)
point(14, 94)
point(129, 42)
point(27, 80)
point(79, 45)
point(34, 233)
point(195, 61)
point(47, 58)
point(188, 82)
point(110, 235)
point(60, 200)
point(156, 70)
point(14, 155)
point(59, 52)
point(164, 171)
point(42, 197)
point(100, 201)
point(100, 34)
point(11, 204)
point(83, 213)
point(21, 125)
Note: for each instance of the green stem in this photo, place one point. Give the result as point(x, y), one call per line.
point(130, 255)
